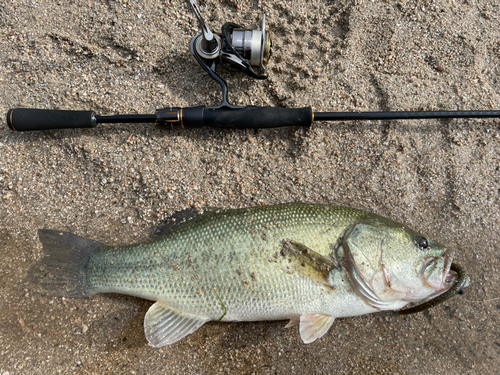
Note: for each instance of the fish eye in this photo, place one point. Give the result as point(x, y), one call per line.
point(421, 242)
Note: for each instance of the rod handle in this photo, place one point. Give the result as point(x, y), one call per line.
point(26, 119)
point(252, 117)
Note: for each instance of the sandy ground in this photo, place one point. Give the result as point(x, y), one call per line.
point(116, 182)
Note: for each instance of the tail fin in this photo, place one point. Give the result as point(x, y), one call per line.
point(62, 271)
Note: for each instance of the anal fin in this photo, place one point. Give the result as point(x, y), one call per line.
point(164, 326)
point(293, 322)
point(314, 326)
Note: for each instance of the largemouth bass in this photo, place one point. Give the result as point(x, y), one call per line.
point(308, 263)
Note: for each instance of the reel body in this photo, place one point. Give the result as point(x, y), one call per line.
point(247, 50)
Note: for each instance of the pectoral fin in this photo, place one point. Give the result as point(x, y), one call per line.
point(314, 326)
point(308, 262)
point(164, 326)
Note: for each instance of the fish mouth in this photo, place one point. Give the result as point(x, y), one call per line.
point(435, 272)
point(451, 277)
point(461, 281)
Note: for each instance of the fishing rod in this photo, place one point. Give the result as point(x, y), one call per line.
point(247, 50)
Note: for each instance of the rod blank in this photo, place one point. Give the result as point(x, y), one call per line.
point(409, 115)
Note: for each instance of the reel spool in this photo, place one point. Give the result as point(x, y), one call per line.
point(252, 46)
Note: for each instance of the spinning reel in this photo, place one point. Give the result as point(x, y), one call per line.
point(243, 49)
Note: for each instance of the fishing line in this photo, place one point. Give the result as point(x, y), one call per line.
point(485, 301)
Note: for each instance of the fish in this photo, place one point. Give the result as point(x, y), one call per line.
point(306, 263)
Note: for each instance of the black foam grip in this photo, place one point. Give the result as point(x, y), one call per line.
point(25, 119)
point(261, 117)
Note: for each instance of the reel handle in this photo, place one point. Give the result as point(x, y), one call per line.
point(26, 119)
